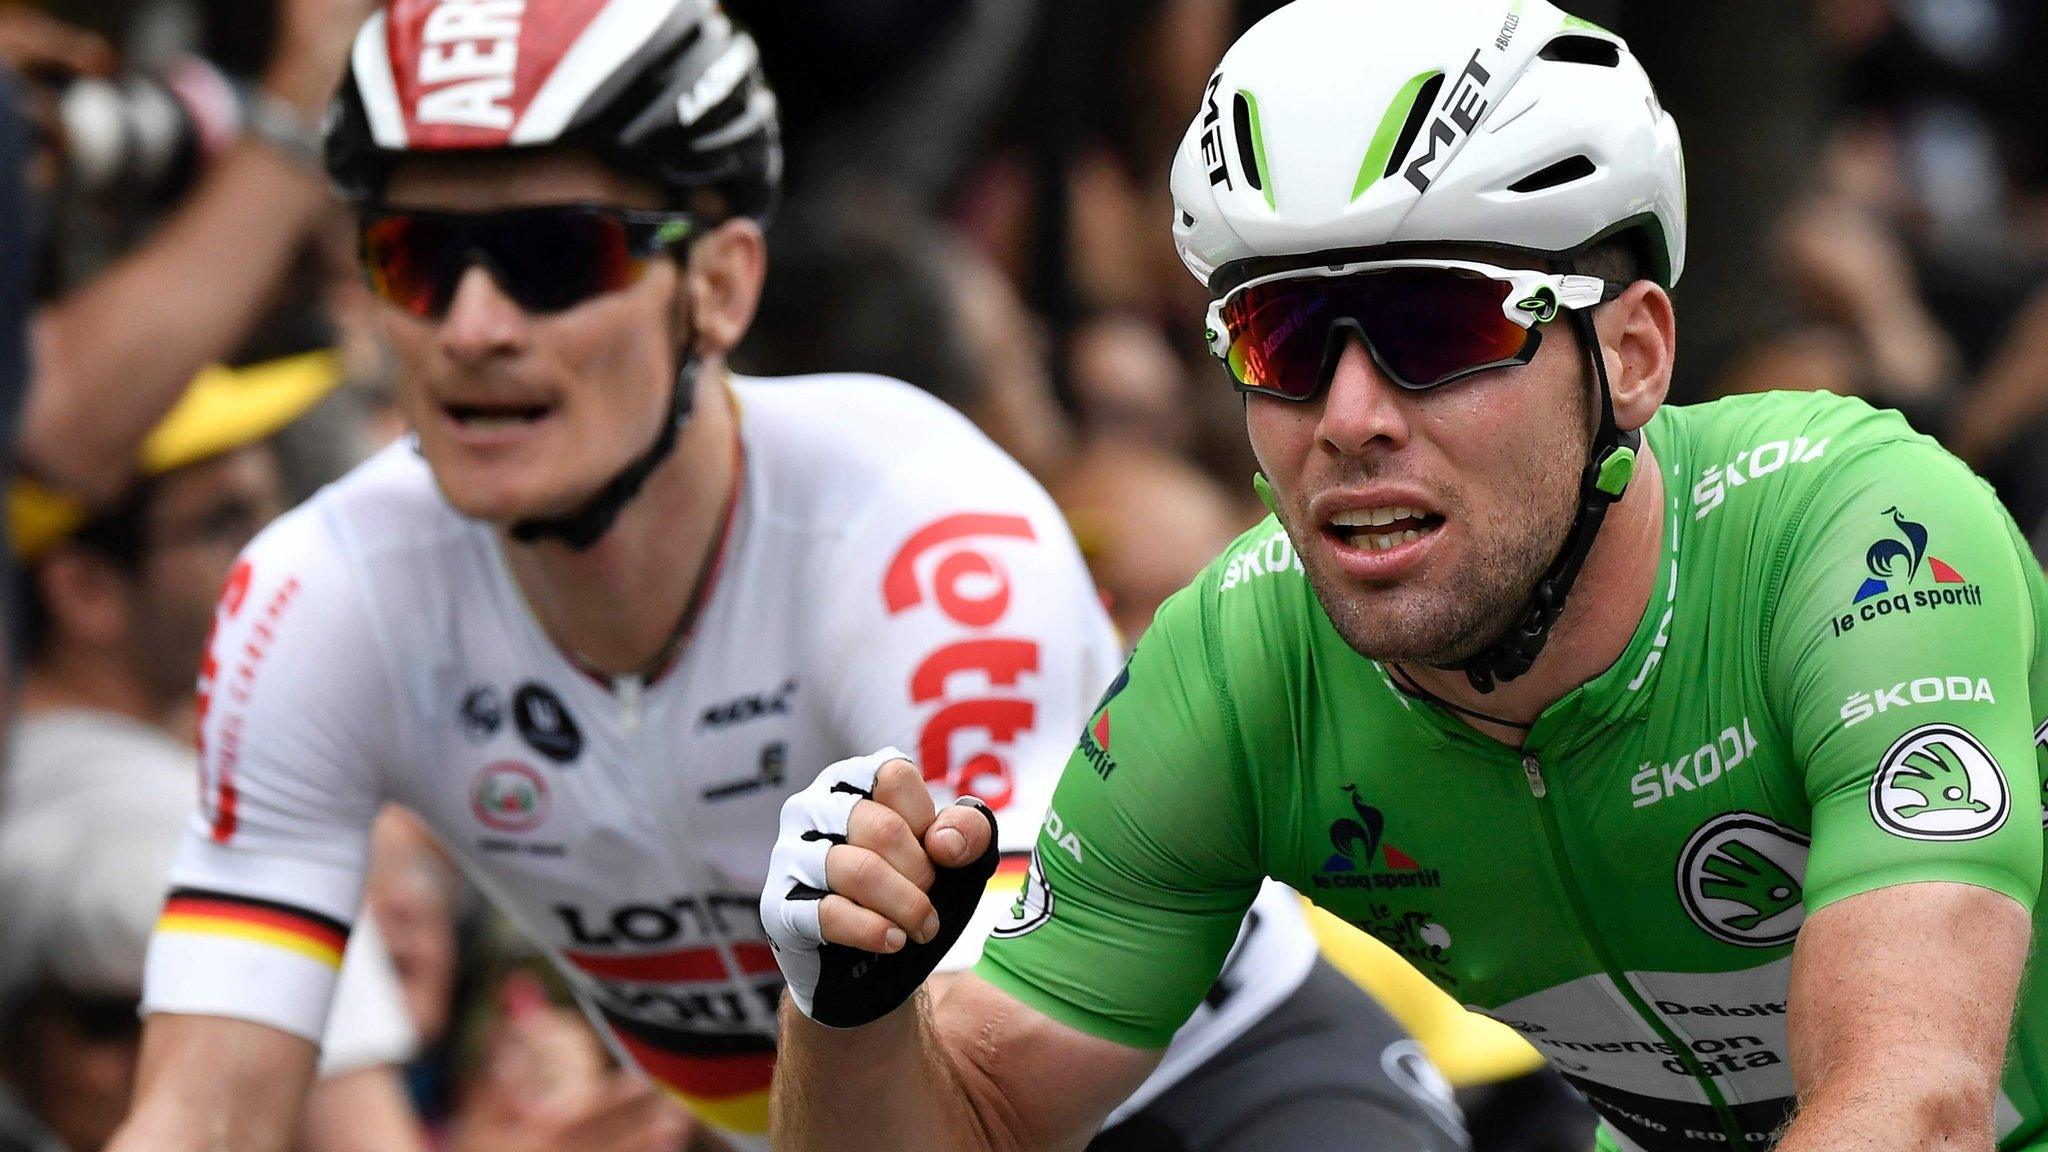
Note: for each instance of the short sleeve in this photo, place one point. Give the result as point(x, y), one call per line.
point(1901, 649)
point(1144, 865)
point(292, 696)
point(370, 1026)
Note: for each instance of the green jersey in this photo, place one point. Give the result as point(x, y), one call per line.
point(1834, 689)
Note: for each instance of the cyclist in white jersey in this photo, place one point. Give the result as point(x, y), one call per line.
point(609, 607)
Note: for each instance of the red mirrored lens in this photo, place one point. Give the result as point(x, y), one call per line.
point(1426, 326)
point(547, 260)
point(397, 273)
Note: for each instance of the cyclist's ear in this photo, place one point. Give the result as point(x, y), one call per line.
point(721, 285)
point(1639, 337)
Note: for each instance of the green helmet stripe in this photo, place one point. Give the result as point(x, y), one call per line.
point(1389, 133)
point(1581, 24)
point(1251, 104)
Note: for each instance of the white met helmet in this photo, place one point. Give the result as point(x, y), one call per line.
point(1346, 124)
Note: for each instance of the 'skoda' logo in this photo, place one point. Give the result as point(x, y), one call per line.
point(1938, 782)
point(1740, 877)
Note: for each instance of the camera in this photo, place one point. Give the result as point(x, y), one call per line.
point(143, 135)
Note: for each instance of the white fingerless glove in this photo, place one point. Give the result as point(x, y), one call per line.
point(839, 986)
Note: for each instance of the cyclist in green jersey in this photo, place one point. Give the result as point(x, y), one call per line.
point(1742, 835)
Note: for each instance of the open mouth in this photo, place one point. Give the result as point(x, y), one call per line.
point(1379, 529)
point(496, 417)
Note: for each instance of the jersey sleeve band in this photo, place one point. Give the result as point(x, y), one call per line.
point(199, 912)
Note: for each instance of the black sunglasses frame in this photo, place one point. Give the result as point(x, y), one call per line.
point(648, 234)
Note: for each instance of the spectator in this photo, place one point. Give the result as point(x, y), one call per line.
point(1130, 387)
point(14, 307)
point(112, 357)
point(102, 775)
point(546, 1085)
point(889, 94)
point(907, 299)
point(1147, 523)
point(412, 892)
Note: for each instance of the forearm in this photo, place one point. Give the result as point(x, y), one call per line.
point(1878, 1113)
point(208, 1084)
point(1879, 1071)
point(2011, 394)
point(113, 357)
point(883, 1087)
point(362, 1111)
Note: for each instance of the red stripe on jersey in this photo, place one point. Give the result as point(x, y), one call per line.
point(678, 966)
point(710, 1076)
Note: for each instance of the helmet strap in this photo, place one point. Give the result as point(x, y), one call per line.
point(1609, 467)
point(584, 527)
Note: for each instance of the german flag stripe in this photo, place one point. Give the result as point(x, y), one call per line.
point(1010, 872)
point(196, 913)
point(680, 965)
point(722, 1077)
point(338, 928)
point(747, 1115)
point(703, 1077)
point(680, 1042)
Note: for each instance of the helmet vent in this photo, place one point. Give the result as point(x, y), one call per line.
point(1557, 175)
point(1247, 156)
point(1583, 50)
point(1418, 115)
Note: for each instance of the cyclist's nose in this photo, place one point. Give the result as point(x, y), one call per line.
point(1362, 407)
point(482, 321)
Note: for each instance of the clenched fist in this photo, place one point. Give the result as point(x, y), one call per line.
point(869, 885)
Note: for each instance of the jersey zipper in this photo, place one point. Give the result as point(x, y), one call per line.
point(630, 690)
point(1532, 767)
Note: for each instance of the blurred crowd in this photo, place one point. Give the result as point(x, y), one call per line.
point(978, 205)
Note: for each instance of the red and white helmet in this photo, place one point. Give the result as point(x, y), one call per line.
point(666, 90)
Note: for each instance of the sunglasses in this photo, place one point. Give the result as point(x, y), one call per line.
point(1424, 322)
point(546, 259)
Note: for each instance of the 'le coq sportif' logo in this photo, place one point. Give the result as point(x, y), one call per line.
point(1095, 740)
point(1363, 859)
point(1902, 577)
point(1900, 560)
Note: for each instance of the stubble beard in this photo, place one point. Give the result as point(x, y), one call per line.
point(1450, 615)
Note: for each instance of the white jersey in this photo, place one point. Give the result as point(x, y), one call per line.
point(887, 577)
